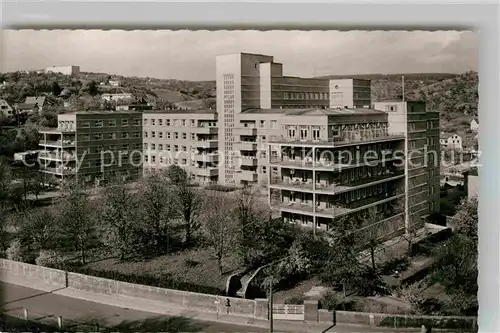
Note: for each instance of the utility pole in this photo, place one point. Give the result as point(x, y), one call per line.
point(403, 87)
point(271, 305)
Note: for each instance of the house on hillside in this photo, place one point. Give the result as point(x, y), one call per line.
point(114, 83)
point(450, 141)
point(5, 109)
point(474, 125)
point(471, 177)
point(117, 97)
point(38, 101)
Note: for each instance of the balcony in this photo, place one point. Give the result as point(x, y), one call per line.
point(207, 172)
point(337, 209)
point(247, 176)
point(57, 156)
point(325, 165)
point(59, 170)
point(205, 130)
point(59, 130)
point(246, 146)
point(328, 187)
point(343, 140)
point(58, 143)
point(207, 158)
point(206, 144)
point(246, 131)
point(250, 161)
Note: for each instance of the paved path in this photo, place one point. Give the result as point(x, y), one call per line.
point(48, 302)
point(47, 306)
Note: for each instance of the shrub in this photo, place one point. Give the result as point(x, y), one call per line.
point(332, 301)
point(221, 188)
point(15, 251)
point(298, 300)
point(49, 258)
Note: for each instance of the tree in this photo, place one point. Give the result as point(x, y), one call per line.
point(39, 228)
point(210, 103)
point(187, 205)
point(218, 226)
point(371, 217)
point(176, 174)
point(56, 88)
point(157, 210)
point(92, 88)
point(414, 295)
point(119, 220)
point(467, 218)
point(78, 217)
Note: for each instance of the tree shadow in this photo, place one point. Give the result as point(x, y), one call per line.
point(157, 324)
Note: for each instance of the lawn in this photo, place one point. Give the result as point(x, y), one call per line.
point(197, 266)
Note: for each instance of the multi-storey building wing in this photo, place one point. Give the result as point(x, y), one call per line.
point(184, 138)
point(330, 163)
point(249, 83)
point(93, 145)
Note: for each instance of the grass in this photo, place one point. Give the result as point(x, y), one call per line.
point(197, 266)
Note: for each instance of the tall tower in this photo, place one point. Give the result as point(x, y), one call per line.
point(238, 88)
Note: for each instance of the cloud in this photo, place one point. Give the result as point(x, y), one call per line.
point(191, 54)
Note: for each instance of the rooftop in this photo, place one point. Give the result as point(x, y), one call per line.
point(181, 111)
point(104, 112)
point(317, 111)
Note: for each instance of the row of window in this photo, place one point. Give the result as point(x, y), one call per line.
point(168, 135)
point(124, 148)
point(109, 136)
point(177, 122)
point(306, 96)
point(111, 123)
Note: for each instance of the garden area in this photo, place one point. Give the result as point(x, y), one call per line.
point(168, 233)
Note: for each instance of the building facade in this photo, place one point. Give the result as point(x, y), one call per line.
point(93, 146)
point(184, 138)
point(117, 97)
point(451, 141)
point(5, 109)
point(66, 70)
point(331, 163)
point(252, 91)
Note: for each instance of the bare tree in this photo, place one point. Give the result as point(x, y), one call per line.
point(218, 226)
point(187, 204)
point(371, 217)
point(78, 217)
point(39, 227)
point(157, 209)
point(118, 220)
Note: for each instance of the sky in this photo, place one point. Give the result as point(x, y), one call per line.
point(190, 55)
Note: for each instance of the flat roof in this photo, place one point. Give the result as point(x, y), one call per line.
point(103, 112)
point(317, 111)
point(207, 111)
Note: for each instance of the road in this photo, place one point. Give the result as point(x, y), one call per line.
point(47, 306)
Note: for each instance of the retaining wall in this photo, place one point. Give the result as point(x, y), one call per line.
point(257, 308)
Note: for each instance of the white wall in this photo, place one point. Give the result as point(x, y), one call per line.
point(265, 85)
point(345, 88)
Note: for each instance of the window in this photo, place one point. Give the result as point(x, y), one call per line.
point(160, 135)
point(145, 121)
point(274, 124)
point(167, 122)
point(145, 146)
point(85, 124)
point(112, 147)
point(167, 147)
point(160, 146)
point(168, 135)
point(160, 122)
point(98, 123)
point(262, 123)
point(98, 136)
point(85, 137)
point(176, 148)
point(183, 123)
point(153, 159)
point(176, 135)
point(153, 146)
point(193, 123)
point(111, 136)
point(184, 148)
point(124, 147)
point(124, 122)
point(153, 134)
point(184, 136)
point(137, 122)
point(152, 122)
point(125, 135)
point(112, 123)
point(193, 136)
point(145, 134)
point(146, 158)
point(98, 149)
point(136, 135)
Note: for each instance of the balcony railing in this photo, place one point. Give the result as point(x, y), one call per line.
point(298, 184)
point(248, 160)
point(246, 146)
point(56, 156)
point(326, 164)
point(248, 131)
point(246, 175)
point(207, 172)
point(339, 209)
point(207, 157)
point(58, 143)
point(59, 170)
point(207, 144)
point(363, 136)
